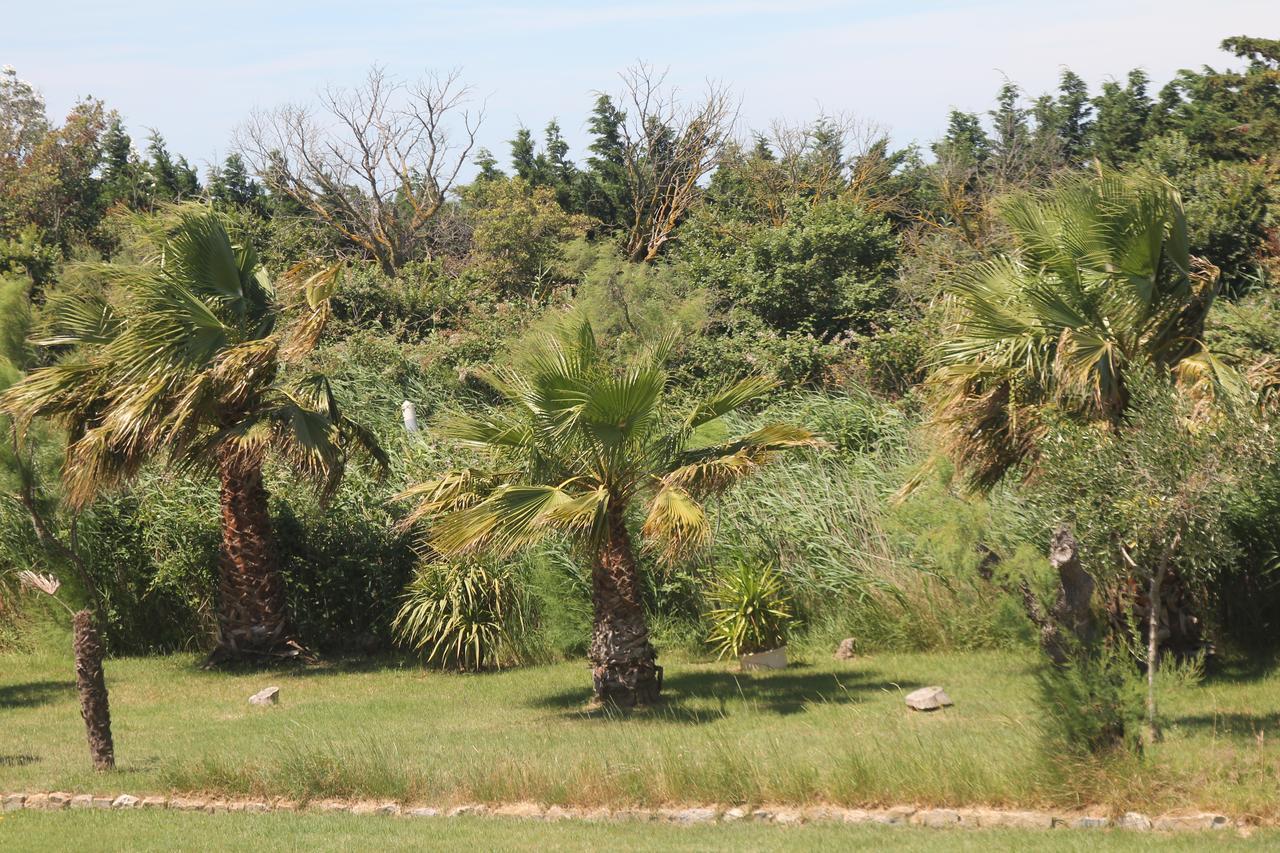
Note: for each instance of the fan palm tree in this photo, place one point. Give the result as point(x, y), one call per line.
point(182, 358)
point(578, 444)
point(1101, 282)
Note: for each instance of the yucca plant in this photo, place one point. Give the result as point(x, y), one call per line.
point(185, 358)
point(460, 615)
point(577, 445)
point(752, 611)
point(1101, 282)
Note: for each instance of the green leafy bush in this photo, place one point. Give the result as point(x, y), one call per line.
point(1091, 706)
point(824, 271)
point(752, 612)
point(462, 616)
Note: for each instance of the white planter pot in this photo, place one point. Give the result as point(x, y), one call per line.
point(773, 659)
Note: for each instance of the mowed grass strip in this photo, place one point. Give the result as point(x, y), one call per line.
point(821, 731)
point(167, 831)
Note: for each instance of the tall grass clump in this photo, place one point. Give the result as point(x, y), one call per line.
point(856, 564)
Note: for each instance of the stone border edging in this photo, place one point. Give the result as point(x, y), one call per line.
point(935, 818)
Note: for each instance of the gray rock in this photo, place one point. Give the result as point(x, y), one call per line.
point(469, 810)
point(266, 696)
point(13, 802)
point(101, 802)
point(58, 800)
point(1134, 820)
point(82, 801)
point(698, 815)
point(154, 802)
point(36, 801)
point(1089, 822)
point(424, 811)
point(735, 814)
point(845, 650)
point(928, 699)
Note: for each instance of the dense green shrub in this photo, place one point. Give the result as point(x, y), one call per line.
point(1227, 206)
point(825, 271)
point(1090, 707)
point(518, 235)
point(463, 616)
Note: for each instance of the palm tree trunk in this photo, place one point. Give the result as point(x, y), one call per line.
point(252, 614)
point(624, 665)
point(92, 685)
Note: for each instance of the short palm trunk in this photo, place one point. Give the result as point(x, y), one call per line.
point(624, 664)
point(252, 613)
point(92, 686)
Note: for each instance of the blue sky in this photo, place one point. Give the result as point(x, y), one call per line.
point(195, 71)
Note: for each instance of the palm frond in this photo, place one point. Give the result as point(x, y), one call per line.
point(729, 399)
point(676, 524)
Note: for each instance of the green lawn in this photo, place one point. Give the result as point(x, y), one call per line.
point(165, 831)
point(826, 731)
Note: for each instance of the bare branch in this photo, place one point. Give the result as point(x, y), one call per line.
point(668, 147)
point(375, 163)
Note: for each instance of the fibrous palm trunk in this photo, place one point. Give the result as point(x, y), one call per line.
point(252, 614)
point(623, 662)
point(92, 685)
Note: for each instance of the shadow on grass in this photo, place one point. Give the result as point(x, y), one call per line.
point(292, 668)
point(704, 696)
point(1241, 669)
point(20, 760)
point(31, 694)
point(1231, 724)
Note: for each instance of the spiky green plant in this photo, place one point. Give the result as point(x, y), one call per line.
point(1101, 281)
point(184, 358)
point(460, 615)
point(578, 443)
point(753, 613)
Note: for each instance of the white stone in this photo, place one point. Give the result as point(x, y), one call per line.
point(266, 696)
point(125, 801)
point(928, 699)
point(1134, 820)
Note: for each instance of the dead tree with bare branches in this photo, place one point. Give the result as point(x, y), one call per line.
point(668, 146)
point(375, 163)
